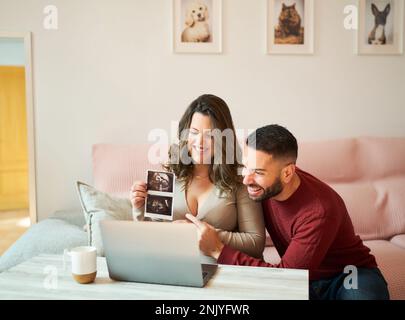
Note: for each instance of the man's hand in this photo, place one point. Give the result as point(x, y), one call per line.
point(209, 241)
point(181, 221)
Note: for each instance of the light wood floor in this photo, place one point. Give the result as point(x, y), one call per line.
point(12, 225)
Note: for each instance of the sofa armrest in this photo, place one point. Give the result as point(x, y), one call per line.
point(72, 216)
point(399, 240)
point(50, 236)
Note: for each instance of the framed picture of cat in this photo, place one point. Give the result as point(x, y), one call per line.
point(197, 26)
point(381, 27)
point(290, 26)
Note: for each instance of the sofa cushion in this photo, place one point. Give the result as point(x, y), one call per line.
point(98, 206)
point(375, 207)
point(391, 261)
point(381, 157)
point(369, 174)
point(116, 167)
point(356, 159)
point(330, 161)
point(50, 236)
point(399, 240)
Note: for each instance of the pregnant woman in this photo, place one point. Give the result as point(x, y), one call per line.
point(207, 185)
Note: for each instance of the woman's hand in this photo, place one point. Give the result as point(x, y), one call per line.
point(138, 194)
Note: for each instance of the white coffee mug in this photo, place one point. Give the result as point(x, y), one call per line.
point(84, 263)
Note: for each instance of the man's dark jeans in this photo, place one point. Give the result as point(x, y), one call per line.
point(371, 285)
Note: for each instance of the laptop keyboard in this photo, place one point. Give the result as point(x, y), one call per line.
point(204, 274)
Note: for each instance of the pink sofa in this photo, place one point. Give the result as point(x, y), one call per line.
point(369, 174)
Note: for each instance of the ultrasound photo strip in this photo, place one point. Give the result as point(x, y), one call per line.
point(160, 193)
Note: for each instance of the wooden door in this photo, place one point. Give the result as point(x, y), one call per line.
point(13, 139)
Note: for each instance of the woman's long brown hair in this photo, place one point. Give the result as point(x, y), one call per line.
point(223, 175)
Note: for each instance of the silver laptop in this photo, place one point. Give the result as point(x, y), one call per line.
point(154, 252)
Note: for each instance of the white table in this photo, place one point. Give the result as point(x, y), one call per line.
point(44, 277)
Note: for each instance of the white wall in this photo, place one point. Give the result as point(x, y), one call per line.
point(11, 52)
point(108, 75)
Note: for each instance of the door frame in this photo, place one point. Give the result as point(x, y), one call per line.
point(29, 93)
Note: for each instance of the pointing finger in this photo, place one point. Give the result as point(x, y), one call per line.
point(194, 220)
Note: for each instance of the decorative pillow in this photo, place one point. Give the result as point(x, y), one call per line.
point(99, 206)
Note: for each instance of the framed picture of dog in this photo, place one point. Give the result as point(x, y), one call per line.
point(197, 26)
point(290, 26)
point(381, 27)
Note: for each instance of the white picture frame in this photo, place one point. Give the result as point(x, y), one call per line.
point(393, 29)
point(277, 43)
point(192, 34)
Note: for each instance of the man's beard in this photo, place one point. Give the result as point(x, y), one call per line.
point(270, 192)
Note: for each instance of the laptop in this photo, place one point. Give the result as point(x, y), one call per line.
point(154, 252)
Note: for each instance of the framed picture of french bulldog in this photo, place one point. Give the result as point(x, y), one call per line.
point(197, 26)
point(381, 27)
point(290, 26)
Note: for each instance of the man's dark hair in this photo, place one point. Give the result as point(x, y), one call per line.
point(275, 140)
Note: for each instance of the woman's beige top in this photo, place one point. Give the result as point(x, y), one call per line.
point(238, 218)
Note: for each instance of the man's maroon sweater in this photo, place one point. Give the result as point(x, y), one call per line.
point(310, 230)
